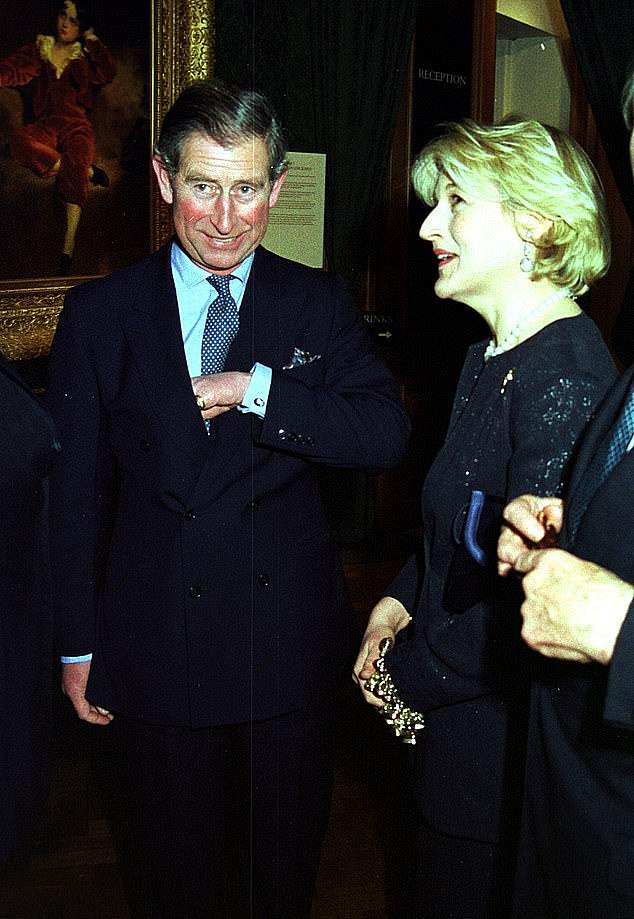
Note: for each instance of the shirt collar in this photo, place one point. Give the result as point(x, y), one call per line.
point(190, 274)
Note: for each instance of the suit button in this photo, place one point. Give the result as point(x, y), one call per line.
point(190, 515)
point(195, 592)
point(264, 580)
point(282, 434)
point(144, 445)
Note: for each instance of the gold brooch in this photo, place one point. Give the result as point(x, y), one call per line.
point(507, 379)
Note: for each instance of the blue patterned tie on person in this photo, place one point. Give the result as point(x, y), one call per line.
point(622, 434)
point(221, 327)
point(611, 451)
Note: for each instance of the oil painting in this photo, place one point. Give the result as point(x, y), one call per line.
point(83, 89)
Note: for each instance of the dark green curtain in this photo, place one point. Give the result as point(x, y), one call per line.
point(335, 71)
point(359, 55)
point(602, 33)
point(265, 44)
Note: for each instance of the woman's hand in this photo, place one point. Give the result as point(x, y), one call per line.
point(386, 620)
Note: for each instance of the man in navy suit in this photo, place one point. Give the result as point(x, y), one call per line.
point(577, 840)
point(576, 854)
point(199, 594)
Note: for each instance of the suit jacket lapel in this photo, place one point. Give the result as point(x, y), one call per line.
point(267, 326)
point(153, 331)
point(266, 317)
point(258, 339)
point(152, 327)
point(593, 441)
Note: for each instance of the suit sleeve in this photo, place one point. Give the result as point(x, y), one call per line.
point(78, 485)
point(102, 66)
point(619, 704)
point(21, 67)
point(406, 585)
point(549, 412)
point(346, 409)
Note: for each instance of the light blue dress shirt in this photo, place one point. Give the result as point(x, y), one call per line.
point(194, 294)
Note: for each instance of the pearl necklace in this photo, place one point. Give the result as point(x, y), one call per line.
point(512, 338)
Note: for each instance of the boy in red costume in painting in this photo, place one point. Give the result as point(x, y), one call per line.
point(65, 71)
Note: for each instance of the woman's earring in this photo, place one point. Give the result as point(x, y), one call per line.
point(528, 260)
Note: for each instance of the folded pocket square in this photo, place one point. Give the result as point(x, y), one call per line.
point(299, 358)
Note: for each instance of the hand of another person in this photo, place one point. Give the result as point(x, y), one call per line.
point(573, 609)
point(74, 681)
point(219, 392)
point(386, 620)
point(528, 521)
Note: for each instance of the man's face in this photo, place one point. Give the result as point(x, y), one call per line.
point(220, 199)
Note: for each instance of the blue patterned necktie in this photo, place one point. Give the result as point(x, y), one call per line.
point(621, 435)
point(612, 450)
point(221, 326)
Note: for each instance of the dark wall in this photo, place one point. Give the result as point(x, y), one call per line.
point(265, 43)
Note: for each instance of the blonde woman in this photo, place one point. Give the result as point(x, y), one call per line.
point(518, 227)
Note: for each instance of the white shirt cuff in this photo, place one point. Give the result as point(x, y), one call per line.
point(257, 392)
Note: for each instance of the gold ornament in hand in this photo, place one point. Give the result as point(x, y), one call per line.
point(404, 720)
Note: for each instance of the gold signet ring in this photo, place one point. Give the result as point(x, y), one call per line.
point(200, 402)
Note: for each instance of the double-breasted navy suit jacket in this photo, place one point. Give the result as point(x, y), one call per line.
point(577, 852)
point(200, 570)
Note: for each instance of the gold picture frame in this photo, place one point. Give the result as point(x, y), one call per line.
point(181, 44)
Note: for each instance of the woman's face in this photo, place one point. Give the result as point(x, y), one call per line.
point(475, 243)
point(68, 23)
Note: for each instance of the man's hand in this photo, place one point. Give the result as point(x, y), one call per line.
point(387, 618)
point(219, 392)
point(528, 521)
point(573, 609)
point(74, 680)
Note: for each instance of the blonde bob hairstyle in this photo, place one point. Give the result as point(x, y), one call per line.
point(530, 169)
point(627, 102)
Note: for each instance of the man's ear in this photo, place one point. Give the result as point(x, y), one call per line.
point(276, 188)
point(163, 178)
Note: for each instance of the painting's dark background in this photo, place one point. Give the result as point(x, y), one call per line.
point(114, 228)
